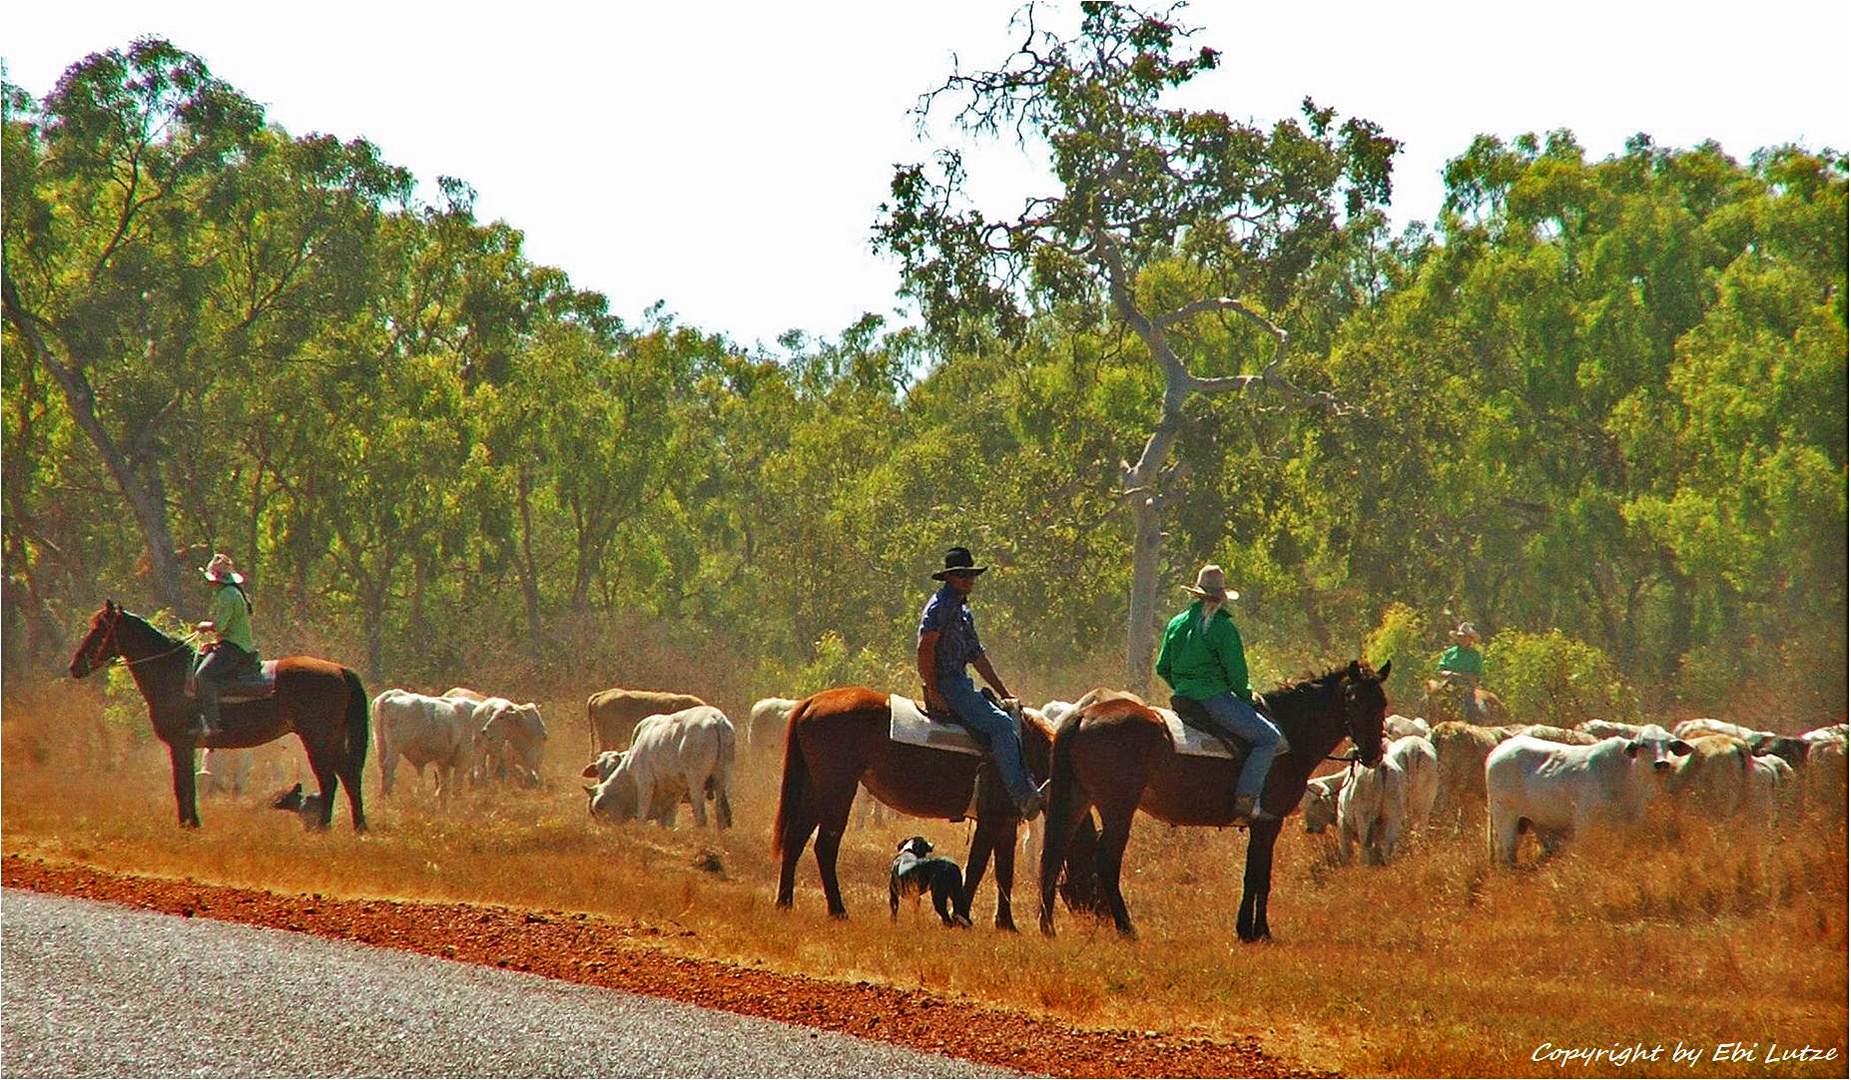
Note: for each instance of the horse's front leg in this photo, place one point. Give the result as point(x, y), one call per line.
point(186, 790)
point(1258, 881)
point(974, 866)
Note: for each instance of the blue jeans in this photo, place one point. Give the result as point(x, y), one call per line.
point(1239, 718)
point(996, 726)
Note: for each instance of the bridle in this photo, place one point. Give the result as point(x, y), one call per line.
point(1354, 754)
point(114, 647)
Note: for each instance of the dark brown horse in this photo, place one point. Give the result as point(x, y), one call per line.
point(322, 702)
point(838, 740)
point(1115, 754)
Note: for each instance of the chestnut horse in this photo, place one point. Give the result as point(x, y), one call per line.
point(838, 740)
point(1115, 754)
point(322, 702)
point(1445, 700)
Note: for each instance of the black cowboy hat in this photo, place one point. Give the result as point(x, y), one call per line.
point(958, 561)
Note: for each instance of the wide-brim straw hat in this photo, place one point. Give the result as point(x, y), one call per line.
point(1211, 583)
point(218, 568)
point(1466, 630)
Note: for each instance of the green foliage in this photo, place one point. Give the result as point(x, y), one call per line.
point(1403, 638)
point(1600, 396)
point(1552, 678)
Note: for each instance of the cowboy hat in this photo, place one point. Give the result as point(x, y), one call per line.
point(958, 561)
point(219, 569)
point(1466, 630)
point(1211, 583)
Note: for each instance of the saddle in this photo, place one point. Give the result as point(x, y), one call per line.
point(912, 724)
point(249, 687)
point(1194, 716)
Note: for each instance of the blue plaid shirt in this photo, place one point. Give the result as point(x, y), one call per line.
point(948, 614)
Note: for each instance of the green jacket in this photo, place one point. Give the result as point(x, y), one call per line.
point(1200, 663)
point(231, 618)
point(1465, 660)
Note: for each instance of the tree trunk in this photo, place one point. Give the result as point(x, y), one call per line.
point(530, 583)
point(144, 499)
point(1141, 619)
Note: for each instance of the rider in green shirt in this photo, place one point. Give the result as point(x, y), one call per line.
point(1463, 665)
point(233, 655)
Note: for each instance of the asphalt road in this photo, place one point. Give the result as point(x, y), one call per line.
point(92, 989)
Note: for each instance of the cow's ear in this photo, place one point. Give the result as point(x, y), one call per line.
point(1680, 748)
point(1632, 748)
point(590, 770)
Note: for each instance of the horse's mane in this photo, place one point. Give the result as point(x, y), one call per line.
point(1301, 689)
point(160, 634)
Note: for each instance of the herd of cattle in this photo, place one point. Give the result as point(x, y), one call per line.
point(652, 751)
point(1556, 782)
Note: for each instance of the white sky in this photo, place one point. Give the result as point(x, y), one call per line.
point(729, 158)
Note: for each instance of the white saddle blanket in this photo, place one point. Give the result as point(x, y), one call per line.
point(1190, 741)
point(912, 727)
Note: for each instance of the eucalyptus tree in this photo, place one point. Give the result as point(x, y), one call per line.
point(159, 243)
point(1248, 210)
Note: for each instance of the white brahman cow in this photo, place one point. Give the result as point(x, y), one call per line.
point(1560, 791)
point(687, 754)
point(424, 730)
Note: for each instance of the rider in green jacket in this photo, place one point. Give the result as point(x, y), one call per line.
point(1204, 661)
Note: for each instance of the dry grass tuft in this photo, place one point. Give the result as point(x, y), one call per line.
point(1439, 964)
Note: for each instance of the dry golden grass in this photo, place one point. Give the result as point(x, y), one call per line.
point(1436, 965)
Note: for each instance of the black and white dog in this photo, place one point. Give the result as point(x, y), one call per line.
point(916, 871)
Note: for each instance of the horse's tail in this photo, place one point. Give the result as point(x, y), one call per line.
point(358, 734)
point(792, 789)
point(1063, 798)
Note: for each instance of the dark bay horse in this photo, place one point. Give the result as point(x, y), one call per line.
point(322, 702)
point(838, 740)
point(1115, 755)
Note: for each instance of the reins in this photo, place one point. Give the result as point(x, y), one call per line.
point(185, 642)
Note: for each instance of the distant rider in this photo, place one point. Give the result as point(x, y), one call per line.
point(1463, 666)
point(233, 655)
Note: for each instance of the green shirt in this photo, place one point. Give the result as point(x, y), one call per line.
point(231, 618)
point(1465, 660)
point(1200, 663)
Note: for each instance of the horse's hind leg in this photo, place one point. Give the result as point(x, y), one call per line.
point(327, 776)
point(1057, 834)
point(793, 851)
point(1114, 834)
point(828, 846)
point(350, 773)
